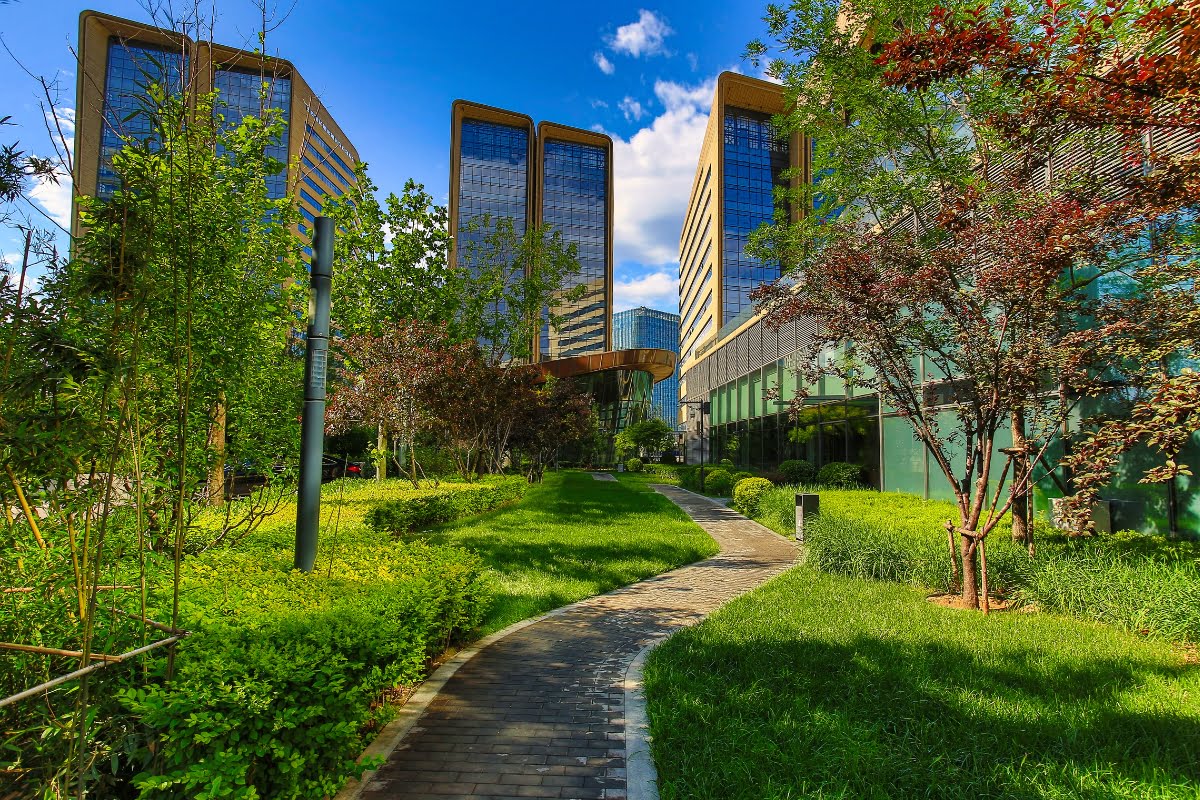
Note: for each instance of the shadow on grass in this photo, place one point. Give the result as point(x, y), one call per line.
point(754, 711)
point(573, 537)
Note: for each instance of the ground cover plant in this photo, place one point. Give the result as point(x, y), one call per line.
point(1143, 583)
point(825, 686)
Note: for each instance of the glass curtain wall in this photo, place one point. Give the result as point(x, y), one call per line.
point(248, 93)
point(493, 179)
point(756, 156)
point(575, 202)
point(132, 67)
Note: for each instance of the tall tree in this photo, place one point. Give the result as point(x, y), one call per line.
point(387, 380)
point(510, 284)
point(945, 231)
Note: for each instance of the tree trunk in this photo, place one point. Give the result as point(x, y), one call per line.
point(1019, 488)
point(412, 462)
point(970, 570)
point(381, 458)
point(216, 441)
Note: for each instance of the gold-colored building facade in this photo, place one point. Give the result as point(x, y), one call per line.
point(502, 165)
point(712, 294)
point(117, 56)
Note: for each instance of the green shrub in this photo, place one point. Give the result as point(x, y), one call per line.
point(273, 691)
point(797, 472)
point(748, 492)
point(634, 465)
point(728, 463)
point(742, 475)
point(840, 475)
point(718, 483)
point(1142, 583)
point(446, 504)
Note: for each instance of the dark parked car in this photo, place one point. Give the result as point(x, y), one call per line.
point(334, 467)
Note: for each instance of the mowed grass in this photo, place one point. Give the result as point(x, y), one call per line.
point(822, 686)
point(573, 537)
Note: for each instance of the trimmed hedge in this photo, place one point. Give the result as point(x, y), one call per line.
point(748, 492)
point(446, 505)
point(840, 475)
point(797, 471)
point(718, 483)
point(274, 693)
point(634, 465)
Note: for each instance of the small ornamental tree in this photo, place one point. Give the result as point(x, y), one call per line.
point(645, 436)
point(952, 254)
point(386, 382)
point(558, 412)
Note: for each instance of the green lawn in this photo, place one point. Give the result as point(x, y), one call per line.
point(818, 685)
point(573, 537)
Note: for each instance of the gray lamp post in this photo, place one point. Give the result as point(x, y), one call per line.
point(312, 426)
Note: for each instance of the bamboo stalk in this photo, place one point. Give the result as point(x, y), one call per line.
point(37, 534)
point(16, 589)
point(79, 673)
point(54, 651)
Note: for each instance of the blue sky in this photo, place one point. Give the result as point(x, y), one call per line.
point(642, 72)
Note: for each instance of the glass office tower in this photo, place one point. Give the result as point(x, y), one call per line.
point(241, 94)
point(554, 175)
point(755, 158)
point(132, 67)
point(649, 328)
point(119, 58)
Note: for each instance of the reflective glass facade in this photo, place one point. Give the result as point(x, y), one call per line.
point(241, 94)
point(574, 197)
point(756, 156)
point(493, 175)
point(648, 328)
point(132, 67)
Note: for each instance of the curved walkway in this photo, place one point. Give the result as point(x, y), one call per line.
point(541, 712)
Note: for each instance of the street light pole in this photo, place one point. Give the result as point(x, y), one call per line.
point(312, 424)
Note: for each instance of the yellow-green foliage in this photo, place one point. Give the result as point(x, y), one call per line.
point(1142, 583)
point(748, 492)
point(274, 688)
point(454, 501)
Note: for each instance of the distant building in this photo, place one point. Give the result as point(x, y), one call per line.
point(118, 57)
point(646, 327)
point(502, 166)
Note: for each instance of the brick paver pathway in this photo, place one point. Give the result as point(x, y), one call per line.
point(540, 713)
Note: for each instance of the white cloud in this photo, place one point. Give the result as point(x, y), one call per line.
point(642, 38)
point(603, 63)
point(656, 290)
point(55, 198)
point(599, 104)
point(632, 109)
point(693, 61)
point(653, 173)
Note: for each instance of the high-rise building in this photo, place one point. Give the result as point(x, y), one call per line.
point(742, 161)
point(643, 327)
point(502, 166)
point(745, 367)
point(119, 58)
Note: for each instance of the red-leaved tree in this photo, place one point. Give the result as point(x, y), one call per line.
point(386, 383)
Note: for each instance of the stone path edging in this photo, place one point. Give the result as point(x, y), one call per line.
point(641, 776)
point(552, 706)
